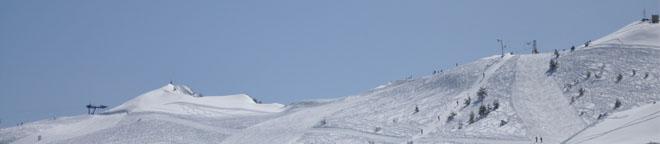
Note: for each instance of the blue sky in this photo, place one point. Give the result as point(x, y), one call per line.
point(56, 56)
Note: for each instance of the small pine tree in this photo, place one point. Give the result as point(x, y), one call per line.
point(471, 118)
point(323, 123)
point(597, 76)
point(451, 116)
point(496, 104)
point(572, 100)
point(377, 129)
point(481, 94)
point(581, 92)
point(556, 53)
point(467, 102)
point(256, 100)
point(619, 78)
point(483, 111)
point(554, 64)
point(634, 72)
point(572, 48)
point(503, 122)
point(602, 115)
point(617, 104)
point(586, 44)
point(460, 124)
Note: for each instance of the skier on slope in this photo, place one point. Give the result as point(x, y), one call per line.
point(536, 139)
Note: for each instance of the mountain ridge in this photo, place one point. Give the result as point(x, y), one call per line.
point(498, 99)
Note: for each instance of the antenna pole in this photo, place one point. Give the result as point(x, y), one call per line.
point(644, 14)
point(534, 44)
point(502, 46)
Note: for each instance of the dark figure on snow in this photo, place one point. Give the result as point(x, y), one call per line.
point(541, 139)
point(586, 44)
point(416, 109)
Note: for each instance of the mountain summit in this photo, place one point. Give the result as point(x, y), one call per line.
point(181, 99)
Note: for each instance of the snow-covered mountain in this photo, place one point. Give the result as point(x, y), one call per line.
point(601, 93)
point(180, 99)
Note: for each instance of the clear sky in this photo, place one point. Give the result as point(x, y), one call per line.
point(58, 55)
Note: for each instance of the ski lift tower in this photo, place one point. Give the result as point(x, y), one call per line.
point(91, 109)
point(502, 46)
point(534, 49)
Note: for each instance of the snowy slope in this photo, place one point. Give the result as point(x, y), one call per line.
point(540, 102)
point(170, 114)
point(572, 104)
point(181, 100)
point(638, 125)
point(636, 34)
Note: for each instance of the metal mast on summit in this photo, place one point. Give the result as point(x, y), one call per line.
point(502, 46)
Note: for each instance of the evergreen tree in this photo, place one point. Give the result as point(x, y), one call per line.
point(602, 115)
point(322, 123)
point(503, 122)
point(471, 118)
point(481, 94)
point(572, 48)
point(460, 124)
point(617, 104)
point(467, 102)
point(496, 104)
point(451, 116)
point(483, 111)
point(586, 44)
point(556, 53)
point(553, 66)
point(619, 78)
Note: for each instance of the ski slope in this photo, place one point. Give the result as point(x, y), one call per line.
point(572, 105)
point(540, 101)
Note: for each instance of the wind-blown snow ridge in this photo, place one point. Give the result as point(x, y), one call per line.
point(639, 33)
point(179, 99)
